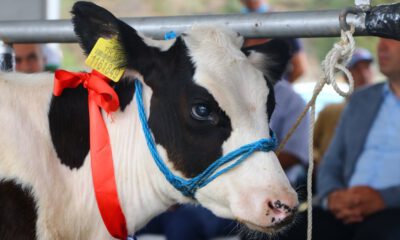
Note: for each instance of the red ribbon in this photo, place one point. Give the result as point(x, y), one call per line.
point(100, 95)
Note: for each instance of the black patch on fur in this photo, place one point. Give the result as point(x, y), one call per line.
point(192, 145)
point(271, 102)
point(92, 22)
point(125, 90)
point(69, 121)
point(17, 212)
point(69, 126)
point(278, 53)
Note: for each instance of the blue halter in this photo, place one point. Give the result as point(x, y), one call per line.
point(188, 187)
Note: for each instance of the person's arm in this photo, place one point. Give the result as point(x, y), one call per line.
point(317, 138)
point(330, 171)
point(296, 149)
point(249, 42)
point(298, 66)
point(391, 196)
point(288, 160)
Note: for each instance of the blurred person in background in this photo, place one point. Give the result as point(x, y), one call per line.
point(298, 63)
point(29, 58)
point(33, 58)
point(53, 55)
point(360, 67)
point(358, 180)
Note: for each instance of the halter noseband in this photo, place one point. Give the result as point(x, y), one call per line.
point(188, 187)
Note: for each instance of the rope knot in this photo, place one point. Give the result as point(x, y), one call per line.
point(260, 146)
point(335, 61)
point(265, 145)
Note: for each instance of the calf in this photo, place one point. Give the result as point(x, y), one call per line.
point(204, 97)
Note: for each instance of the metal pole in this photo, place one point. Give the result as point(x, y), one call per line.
point(275, 24)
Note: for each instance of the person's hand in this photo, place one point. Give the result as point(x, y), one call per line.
point(343, 205)
point(340, 199)
point(370, 200)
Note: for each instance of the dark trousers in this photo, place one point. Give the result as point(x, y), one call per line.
point(384, 225)
point(189, 222)
point(197, 223)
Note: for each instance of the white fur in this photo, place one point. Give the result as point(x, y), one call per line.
point(259, 61)
point(163, 45)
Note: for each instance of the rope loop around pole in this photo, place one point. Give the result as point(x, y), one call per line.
point(336, 61)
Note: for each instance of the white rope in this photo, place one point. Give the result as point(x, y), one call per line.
point(334, 62)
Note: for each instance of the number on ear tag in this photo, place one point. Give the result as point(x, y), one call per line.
point(104, 58)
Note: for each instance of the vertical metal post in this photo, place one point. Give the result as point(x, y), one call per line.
point(6, 57)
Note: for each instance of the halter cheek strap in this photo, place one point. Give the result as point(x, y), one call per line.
point(188, 187)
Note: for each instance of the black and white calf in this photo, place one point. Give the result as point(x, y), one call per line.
point(204, 96)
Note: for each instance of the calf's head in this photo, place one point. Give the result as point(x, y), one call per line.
point(209, 97)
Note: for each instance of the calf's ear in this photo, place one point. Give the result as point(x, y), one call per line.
point(92, 22)
point(271, 58)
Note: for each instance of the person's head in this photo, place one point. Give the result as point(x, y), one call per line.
point(389, 58)
point(29, 58)
point(255, 5)
point(360, 67)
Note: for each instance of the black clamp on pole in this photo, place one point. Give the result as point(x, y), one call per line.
point(384, 21)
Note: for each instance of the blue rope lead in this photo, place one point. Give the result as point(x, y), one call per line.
point(188, 187)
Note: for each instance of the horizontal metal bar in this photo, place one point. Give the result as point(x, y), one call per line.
point(275, 24)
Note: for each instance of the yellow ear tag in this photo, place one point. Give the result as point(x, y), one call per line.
point(104, 58)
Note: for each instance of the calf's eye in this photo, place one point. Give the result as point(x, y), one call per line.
point(201, 112)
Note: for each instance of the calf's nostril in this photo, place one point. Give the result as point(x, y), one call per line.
point(270, 205)
point(278, 204)
point(279, 211)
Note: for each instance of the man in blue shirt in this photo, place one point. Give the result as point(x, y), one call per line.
point(358, 181)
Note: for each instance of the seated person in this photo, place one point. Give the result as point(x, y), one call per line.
point(361, 70)
point(358, 180)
